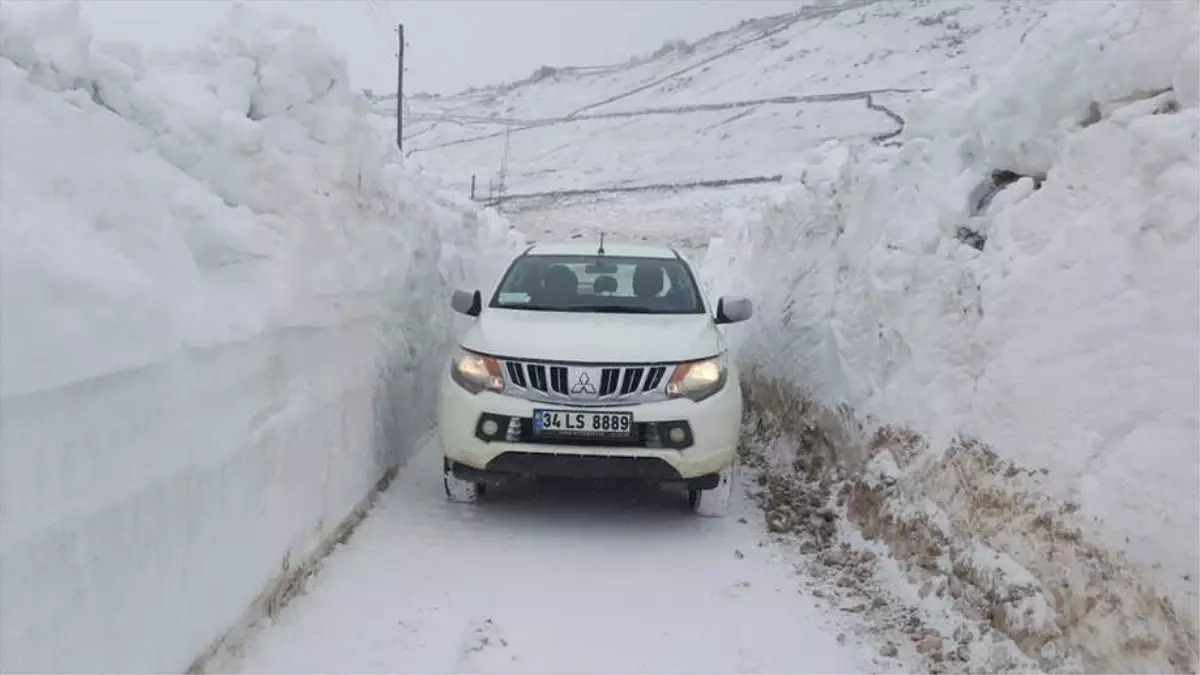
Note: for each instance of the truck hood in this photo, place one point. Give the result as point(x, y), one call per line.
point(593, 338)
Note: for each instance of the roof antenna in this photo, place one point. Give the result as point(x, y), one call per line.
point(601, 249)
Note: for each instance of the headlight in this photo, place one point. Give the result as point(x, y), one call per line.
point(698, 380)
point(475, 372)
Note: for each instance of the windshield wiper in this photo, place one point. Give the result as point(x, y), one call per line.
point(611, 309)
point(588, 309)
point(534, 308)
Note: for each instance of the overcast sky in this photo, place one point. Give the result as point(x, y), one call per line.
point(452, 44)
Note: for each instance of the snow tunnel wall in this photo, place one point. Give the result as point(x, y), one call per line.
point(222, 303)
point(1039, 395)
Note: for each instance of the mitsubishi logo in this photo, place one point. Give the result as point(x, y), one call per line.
point(584, 385)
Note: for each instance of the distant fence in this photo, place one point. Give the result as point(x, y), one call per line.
point(495, 189)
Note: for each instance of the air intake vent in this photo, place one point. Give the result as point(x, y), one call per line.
point(516, 374)
point(609, 379)
point(633, 377)
point(654, 378)
point(558, 379)
point(537, 377)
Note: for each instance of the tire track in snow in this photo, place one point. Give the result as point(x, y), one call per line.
point(866, 96)
point(870, 100)
point(525, 125)
point(788, 99)
point(655, 187)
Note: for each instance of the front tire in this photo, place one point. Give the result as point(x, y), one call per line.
point(714, 503)
point(460, 491)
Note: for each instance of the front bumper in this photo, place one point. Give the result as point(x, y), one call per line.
point(713, 427)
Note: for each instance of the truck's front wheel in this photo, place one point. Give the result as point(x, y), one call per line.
point(458, 490)
point(714, 503)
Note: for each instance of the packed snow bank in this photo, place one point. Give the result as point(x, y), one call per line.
point(221, 302)
point(1041, 391)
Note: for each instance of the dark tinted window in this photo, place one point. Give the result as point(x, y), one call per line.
point(595, 283)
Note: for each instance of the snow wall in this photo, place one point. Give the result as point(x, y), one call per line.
point(1020, 380)
point(222, 303)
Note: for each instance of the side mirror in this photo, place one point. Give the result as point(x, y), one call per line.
point(463, 302)
point(734, 309)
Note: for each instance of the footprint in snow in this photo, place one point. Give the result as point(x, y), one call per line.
point(737, 590)
point(481, 636)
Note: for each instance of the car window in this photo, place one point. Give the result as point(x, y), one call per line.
point(599, 283)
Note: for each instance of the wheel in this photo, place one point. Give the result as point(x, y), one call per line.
point(714, 503)
point(458, 490)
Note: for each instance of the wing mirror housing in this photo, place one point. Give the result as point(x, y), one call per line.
point(469, 303)
point(733, 309)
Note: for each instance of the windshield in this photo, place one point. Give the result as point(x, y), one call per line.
point(597, 283)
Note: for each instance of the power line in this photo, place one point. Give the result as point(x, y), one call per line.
point(386, 7)
point(377, 24)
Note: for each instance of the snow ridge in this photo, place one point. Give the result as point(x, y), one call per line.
point(1046, 362)
point(221, 296)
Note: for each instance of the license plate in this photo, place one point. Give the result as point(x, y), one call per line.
point(580, 423)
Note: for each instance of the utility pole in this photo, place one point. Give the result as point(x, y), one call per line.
point(504, 160)
point(400, 90)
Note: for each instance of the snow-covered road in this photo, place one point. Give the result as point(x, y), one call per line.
point(560, 577)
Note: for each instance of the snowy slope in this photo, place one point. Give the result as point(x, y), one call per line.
point(743, 102)
point(218, 296)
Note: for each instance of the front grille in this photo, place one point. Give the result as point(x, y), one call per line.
point(586, 385)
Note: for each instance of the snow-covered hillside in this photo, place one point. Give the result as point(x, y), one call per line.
point(986, 327)
point(219, 292)
point(747, 100)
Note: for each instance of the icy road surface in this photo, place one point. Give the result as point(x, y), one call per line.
point(565, 578)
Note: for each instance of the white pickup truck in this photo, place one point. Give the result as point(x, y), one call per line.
point(594, 362)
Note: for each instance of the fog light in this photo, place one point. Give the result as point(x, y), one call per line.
point(677, 435)
point(489, 427)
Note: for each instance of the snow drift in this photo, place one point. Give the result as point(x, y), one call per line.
point(221, 301)
point(1023, 377)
